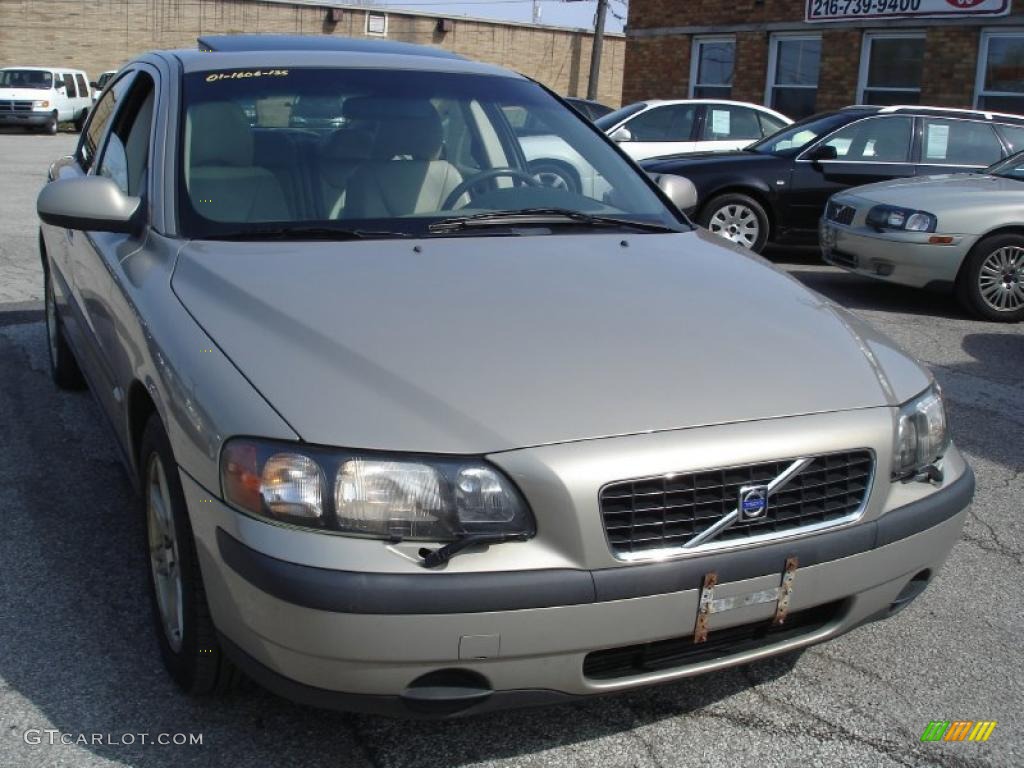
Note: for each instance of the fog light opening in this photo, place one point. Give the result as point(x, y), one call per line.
point(446, 691)
point(883, 268)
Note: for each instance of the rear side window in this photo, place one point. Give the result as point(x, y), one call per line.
point(728, 123)
point(1013, 135)
point(874, 140)
point(669, 123)
point(959, 142)
point(83, 88)
point(69, 84)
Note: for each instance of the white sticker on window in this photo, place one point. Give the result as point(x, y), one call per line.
point(720, 122)
point(938, 142)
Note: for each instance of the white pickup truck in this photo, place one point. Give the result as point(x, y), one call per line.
point(41, 97)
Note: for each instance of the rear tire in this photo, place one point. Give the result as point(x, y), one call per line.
point(991, 280)
point(64, 369)
point(184, 628)
point(738, 218)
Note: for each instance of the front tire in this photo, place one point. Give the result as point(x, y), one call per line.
point(738, 218)
point(50, 126)
point(64, 369)
point(185, 631)
point(991, 280)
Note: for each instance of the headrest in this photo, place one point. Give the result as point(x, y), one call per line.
point(348, 144)
point(219, 134)
point(404, 126)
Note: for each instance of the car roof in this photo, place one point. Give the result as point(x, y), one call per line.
point(46, 69)
point(255, 51)
point(730, 102)
point(952, 112)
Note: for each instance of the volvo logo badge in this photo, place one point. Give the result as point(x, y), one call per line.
point(753, 502)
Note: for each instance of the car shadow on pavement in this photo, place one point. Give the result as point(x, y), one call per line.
point(78, 653)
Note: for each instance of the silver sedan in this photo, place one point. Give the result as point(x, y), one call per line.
point(963, 231)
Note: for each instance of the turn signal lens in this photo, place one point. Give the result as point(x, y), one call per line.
point(240, 476)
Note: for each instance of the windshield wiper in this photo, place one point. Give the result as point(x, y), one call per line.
point(541, 216)
point(303, 233)
point(448, 551)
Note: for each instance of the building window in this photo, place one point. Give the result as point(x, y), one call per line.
point(890, 68)
point(712, 66)
point(1001, 72)
point(793, 68)
point(377, 24)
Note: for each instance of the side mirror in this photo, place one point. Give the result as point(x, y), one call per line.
point(679, 189)
point(94, 84)
point(92, 203)
point(620, 134)
point(823, 152)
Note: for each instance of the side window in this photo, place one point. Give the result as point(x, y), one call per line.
point(126, 156)
point(1013, 135)
point(69, 85)
point(673, 122)
point(770, 124)
point(959, 142)
point(83, 88)
point(99, 119)
point(727, 123)
point(874, 140)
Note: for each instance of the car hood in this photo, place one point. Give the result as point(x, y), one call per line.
point(718, 160)
point(25, 94)
point(483, 344)
point(951, 191)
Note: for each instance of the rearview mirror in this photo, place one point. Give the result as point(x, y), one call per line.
point(823, 152)
point(91, 203)
point(621, 134)
point(679, 189)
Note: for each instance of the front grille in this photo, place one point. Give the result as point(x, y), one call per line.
point(8, 105)
point(667, 511)
point(840, 214)
point(644, 658)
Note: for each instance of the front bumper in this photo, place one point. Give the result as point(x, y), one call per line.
point(33, 119)
point(468, 642)
point(906, 258)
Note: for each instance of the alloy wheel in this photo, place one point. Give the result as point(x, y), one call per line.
point(163, 552)
point(1001, 279)
point(736, 222)
point(552, 180)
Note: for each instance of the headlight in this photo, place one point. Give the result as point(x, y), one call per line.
point(369, 494)
point(883, 217)
point(41, 104)
point(922, 435)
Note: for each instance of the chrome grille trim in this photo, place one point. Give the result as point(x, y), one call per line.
point(677, 514)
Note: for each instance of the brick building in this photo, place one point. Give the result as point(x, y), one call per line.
point(97, 35)
point(776, 52)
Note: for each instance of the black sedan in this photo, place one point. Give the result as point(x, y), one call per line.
point(775, 190)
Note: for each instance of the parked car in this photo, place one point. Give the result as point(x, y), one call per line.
point(776, 189)
point(658, 128)
point(588, 108)
point(101, 83)
point(647, 129)
point(457, 443)
point(963, 230)
point(42, 97)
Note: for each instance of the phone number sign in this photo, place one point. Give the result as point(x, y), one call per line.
point(845, 10)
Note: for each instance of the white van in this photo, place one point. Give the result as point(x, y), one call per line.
point(41, 97)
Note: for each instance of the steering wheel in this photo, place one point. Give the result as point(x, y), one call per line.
point(475, 179)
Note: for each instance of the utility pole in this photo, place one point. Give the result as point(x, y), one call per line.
point(595, 53)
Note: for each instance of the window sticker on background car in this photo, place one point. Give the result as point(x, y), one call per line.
point(720, 121)
point(938, 142)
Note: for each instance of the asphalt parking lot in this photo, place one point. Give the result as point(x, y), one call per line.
point(77, 655)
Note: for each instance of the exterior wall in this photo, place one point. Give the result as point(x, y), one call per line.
point(97, 35)
point(659, 36)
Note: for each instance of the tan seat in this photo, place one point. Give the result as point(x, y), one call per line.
point(338, 158)
point(221, 179)
point(405, 177)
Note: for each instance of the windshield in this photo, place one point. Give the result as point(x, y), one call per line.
point(26, 78)
point(789, 141)
point(1010, 168)
point(604, 122)
point(389, 152)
